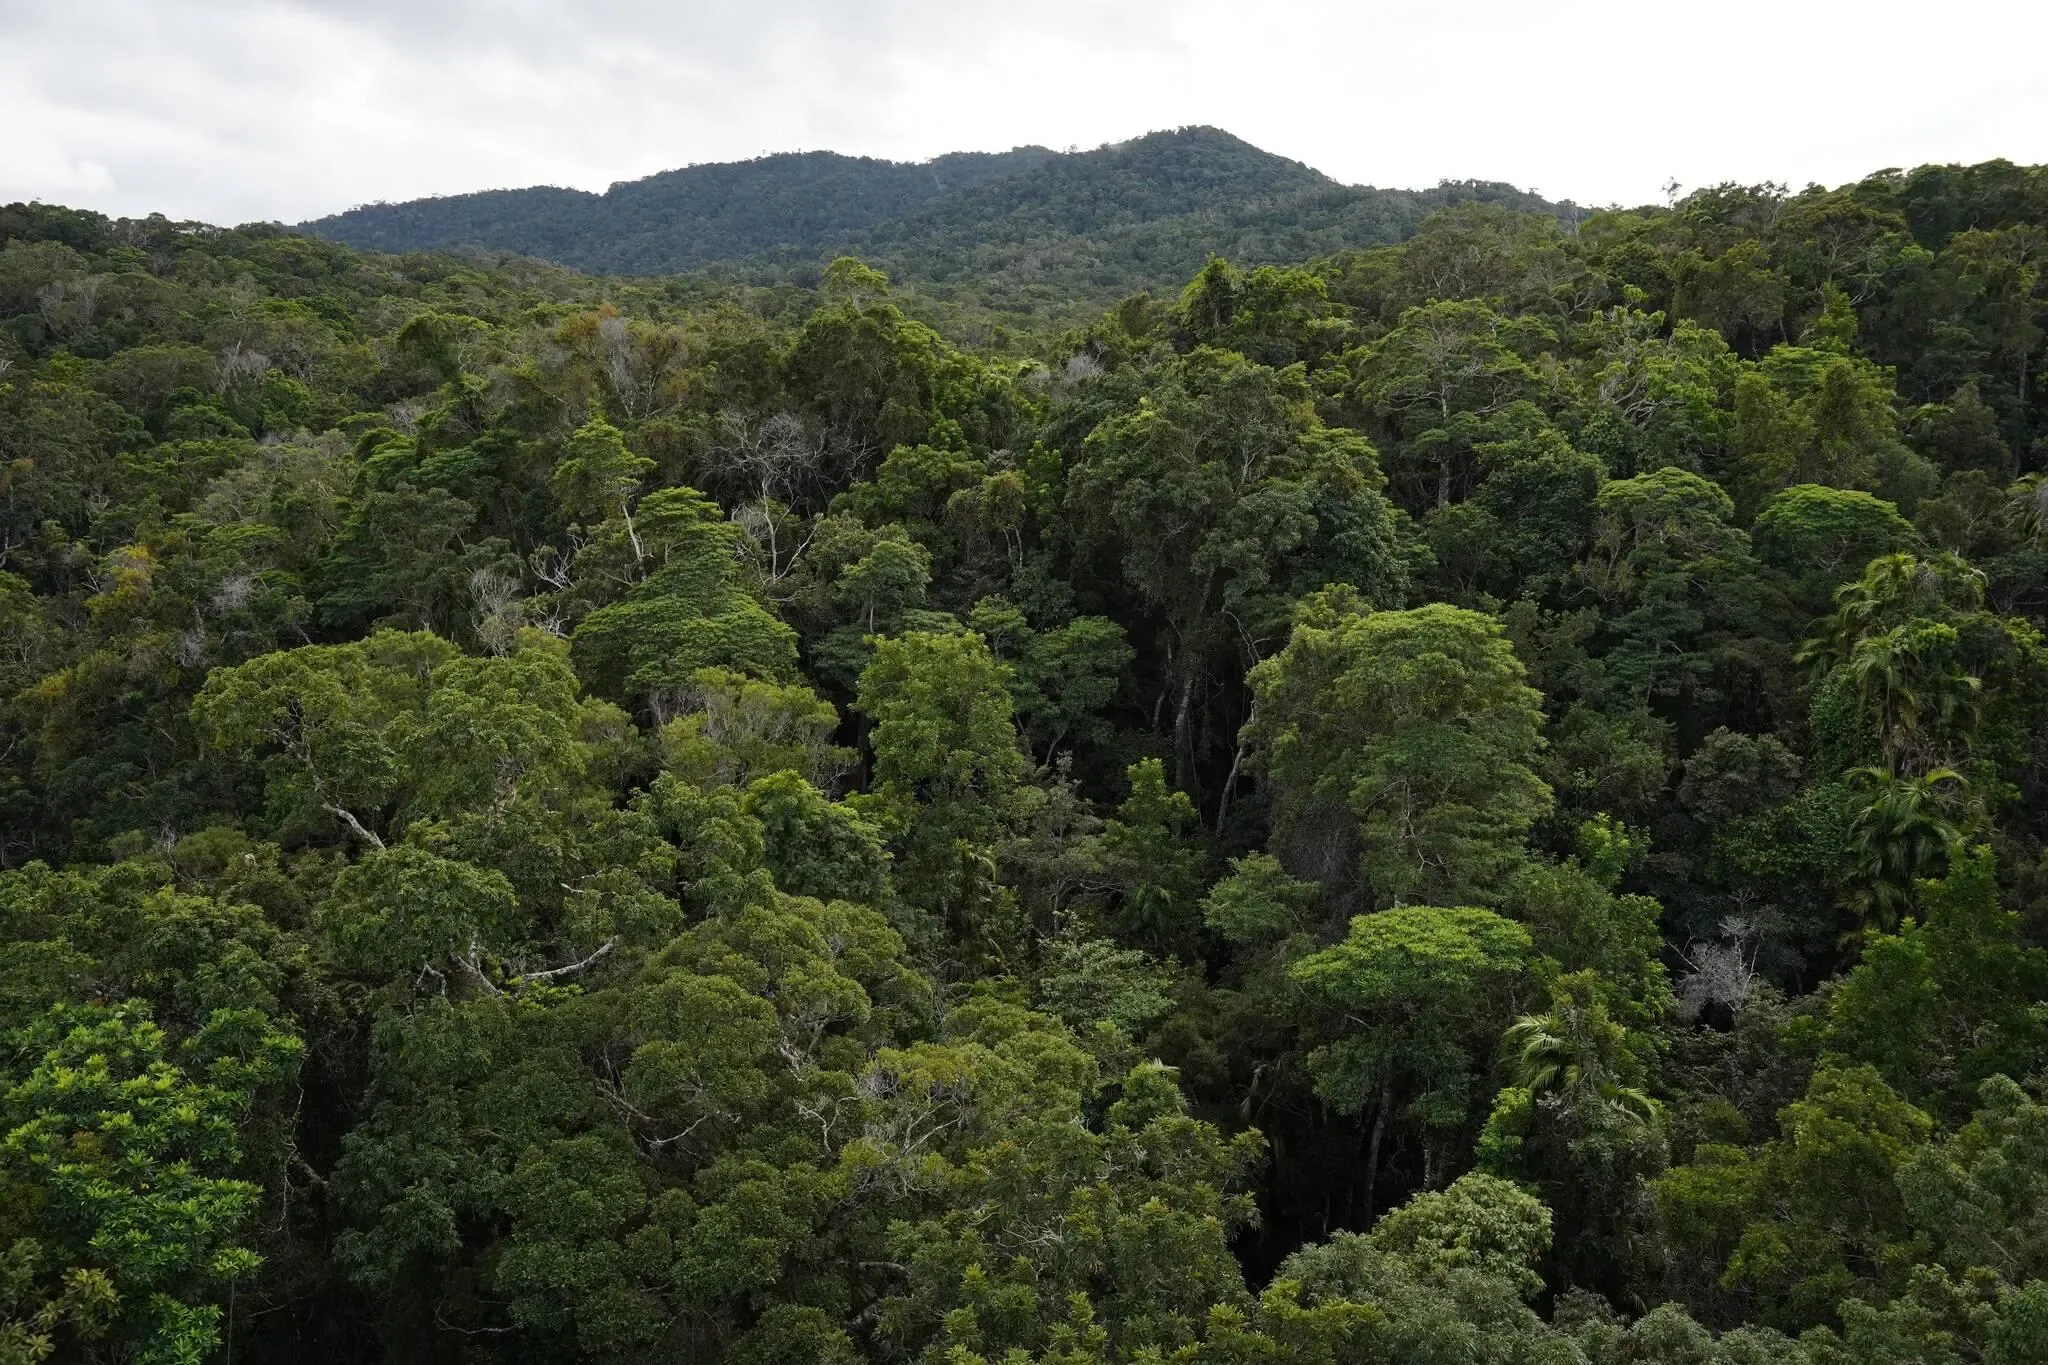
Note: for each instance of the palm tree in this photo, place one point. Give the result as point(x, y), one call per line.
point(1577, 1052)
point(1906, 676)
point(2029, 506)
point(1902, 835)
point(1894, 589)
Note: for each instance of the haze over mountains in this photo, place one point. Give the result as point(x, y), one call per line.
point(1012, 232)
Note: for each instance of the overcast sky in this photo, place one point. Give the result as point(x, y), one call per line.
point(231, 110)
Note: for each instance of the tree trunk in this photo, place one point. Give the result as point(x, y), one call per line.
point(633, 538)
point(1183, 745)
point(1372, 1150)
point(1230, 782)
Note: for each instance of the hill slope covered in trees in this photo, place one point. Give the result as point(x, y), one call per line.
point(1478, 800)
point(678, 220)
point(1025, 233)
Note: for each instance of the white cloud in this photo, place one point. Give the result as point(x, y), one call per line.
point(238, 109)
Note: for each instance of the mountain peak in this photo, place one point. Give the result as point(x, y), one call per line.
point(1107, 221)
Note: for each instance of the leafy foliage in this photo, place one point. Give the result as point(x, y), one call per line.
point(1023, 234)
point(1467, 787)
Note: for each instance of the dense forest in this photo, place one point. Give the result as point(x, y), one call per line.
point(1479, 800)
point(681, 219)
point(1009, 240)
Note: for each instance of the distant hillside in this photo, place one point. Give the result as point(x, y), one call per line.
point(1145, 214)
point(1026, 232)
point(801, 202)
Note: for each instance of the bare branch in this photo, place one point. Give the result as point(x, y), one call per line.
point(367, 835)
point(571, 969)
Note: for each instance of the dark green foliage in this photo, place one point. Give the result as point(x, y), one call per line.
point(1448, 788)
point(1022, 234)
point(806, 202)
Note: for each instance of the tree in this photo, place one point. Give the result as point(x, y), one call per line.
point(1655, 522)
point(1525, 527)
point(872, 379)
point(1577, 1053)
point(400, 724)
point(1399, 747)
point(1067, 679)
point(1217, 494)
point(1680, 593)
point(322, 712)
point(1449, 1274)
point(406, 911)
point(597, 478)
point(736, 728)
point(1819, 537)
point(1479, 1223)
point(1146, 851)
point(1816, 414)
point(689, 613)
point(1941, 1000)
point(1417, 993)
point(1978, 1193)
point(1812, 1216)
point(1258, 901)
point(404, 558)
point(1275, 317)
point(123, 1154)
point(1576, 1120)
point(1892, 591)
point(1734, 291)
point(1443, 369)
point(884, 581)
point(1902, 835)
point(1656, 396)
point(946, 772)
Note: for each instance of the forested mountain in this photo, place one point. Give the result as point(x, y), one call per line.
point(1028, 233)
point(1475, 800)
point(799, 202)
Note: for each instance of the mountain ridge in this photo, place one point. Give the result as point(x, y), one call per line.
point(595, 231)
point(1008, 232)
